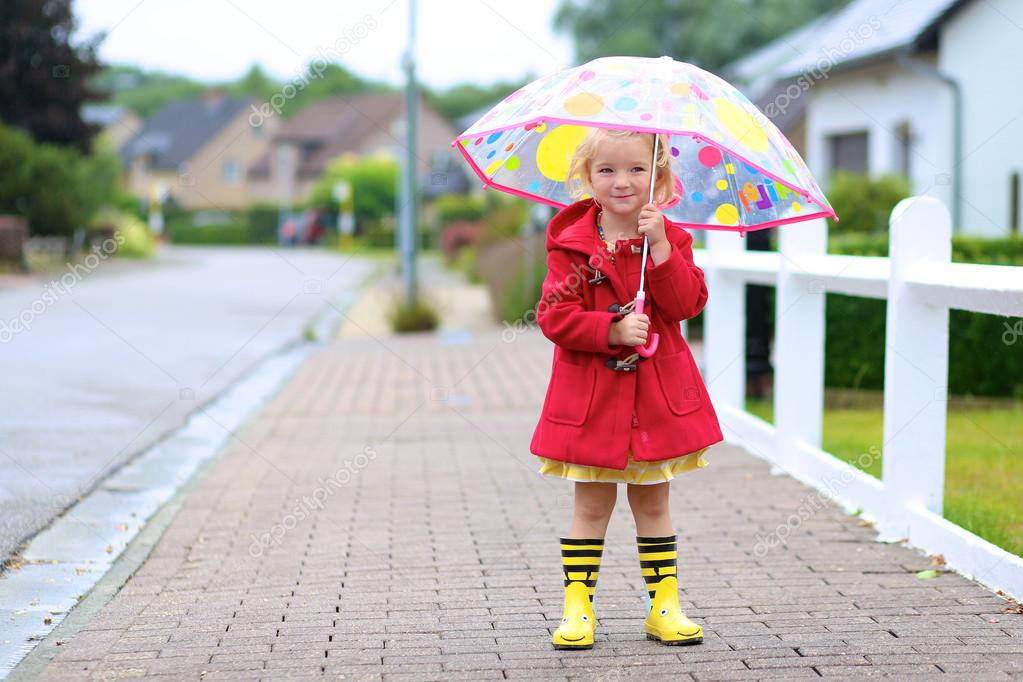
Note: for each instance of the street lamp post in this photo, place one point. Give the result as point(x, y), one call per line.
point(409, 216)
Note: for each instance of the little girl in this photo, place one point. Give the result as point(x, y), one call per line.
point(610, 415)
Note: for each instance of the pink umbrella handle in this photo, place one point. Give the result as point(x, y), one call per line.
point(651, 346)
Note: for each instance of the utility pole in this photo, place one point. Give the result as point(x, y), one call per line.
point(408, 213)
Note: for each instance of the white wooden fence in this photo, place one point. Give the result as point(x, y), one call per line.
point(920, 284)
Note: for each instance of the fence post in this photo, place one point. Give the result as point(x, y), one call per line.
point(799, 341)
point(915, 365)
point(724, 325)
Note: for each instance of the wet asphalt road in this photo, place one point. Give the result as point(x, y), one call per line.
point(95, 373)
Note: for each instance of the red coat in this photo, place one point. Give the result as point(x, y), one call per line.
point(592, 414)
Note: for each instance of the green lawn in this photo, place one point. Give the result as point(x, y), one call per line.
point(983, 466)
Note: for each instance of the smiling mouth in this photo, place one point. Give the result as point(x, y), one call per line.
point(623, 197)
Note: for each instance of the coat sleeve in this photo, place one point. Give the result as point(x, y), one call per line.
point(561, 312)
point(676, 285)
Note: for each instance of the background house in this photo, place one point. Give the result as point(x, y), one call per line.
point(756, 75)
point(304, 145)
point(198, 150)
point(921, 88)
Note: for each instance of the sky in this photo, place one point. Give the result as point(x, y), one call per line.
point(477, 41)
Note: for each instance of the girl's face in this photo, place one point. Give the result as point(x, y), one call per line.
point(620, 174)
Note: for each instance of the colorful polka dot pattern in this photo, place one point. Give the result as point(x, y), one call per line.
point(735, 169)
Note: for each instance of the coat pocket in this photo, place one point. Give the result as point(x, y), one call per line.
point(572, 388)
point(679, 381)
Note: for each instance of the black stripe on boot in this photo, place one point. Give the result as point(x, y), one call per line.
point(658, 557)
point(580, 561)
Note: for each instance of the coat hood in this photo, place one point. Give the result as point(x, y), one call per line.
point(573, 228)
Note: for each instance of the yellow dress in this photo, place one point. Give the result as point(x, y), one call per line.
point(642, 473)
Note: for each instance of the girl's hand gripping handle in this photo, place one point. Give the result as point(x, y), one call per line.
point(651, 347)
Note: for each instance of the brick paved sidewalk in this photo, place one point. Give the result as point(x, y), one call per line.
point(382, 519)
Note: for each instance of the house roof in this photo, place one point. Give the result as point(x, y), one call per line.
point(176, 132)
point(102, 114)
point(861, 32)
point(332, 126)
point(754, 72)
point(346, 119)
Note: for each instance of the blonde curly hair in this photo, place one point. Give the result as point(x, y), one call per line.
point(578, 181)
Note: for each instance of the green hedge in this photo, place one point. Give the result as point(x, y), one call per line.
point(220, 233)
point(255, 225)
point(262, 219)
point(864, 203)
point(980, 363)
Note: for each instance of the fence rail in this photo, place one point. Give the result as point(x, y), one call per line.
point(920, 284)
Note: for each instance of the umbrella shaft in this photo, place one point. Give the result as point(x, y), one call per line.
point(653, 178)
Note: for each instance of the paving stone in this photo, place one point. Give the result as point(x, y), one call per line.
point(381, 518)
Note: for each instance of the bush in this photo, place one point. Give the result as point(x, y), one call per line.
point(466, 207)
point(55, 188)
point(133, 236)
point(126, 202)
point(457, 236)
point(980, 362)
point(374, 183)
point(505, 216)
point(16, 150)
point(418, 316)
point(862, 203)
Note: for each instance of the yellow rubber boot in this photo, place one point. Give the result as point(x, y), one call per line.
point(658, 558)
point(580, 562)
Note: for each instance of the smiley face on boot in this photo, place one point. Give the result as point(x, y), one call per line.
point(578, 622)
point(583, 619)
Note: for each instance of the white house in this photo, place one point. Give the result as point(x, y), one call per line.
point(925, 88)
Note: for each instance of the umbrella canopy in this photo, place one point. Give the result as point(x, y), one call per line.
point(734, 170)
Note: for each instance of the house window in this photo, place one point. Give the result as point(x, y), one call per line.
point(309, 148)
point(849, 152)
point(903, 149)
point(232, 173)
point(1014, 202)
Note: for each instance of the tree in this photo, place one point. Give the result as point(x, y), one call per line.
point(708, 33)
point(320, 81)
point(465, 98)
point(145, 92)
point(43, 78)
point(256, 83)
